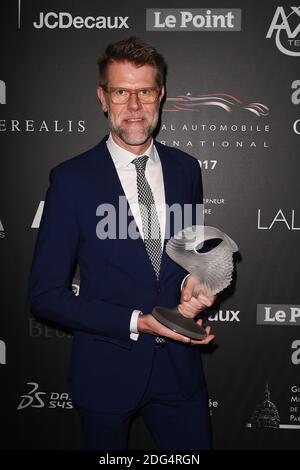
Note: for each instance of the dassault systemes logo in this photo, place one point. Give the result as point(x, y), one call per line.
point(222, 100)
point(193, 19)
point(286, 38)
point(33, 399)
point(273, 314)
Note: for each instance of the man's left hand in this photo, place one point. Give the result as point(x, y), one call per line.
point(190, 303)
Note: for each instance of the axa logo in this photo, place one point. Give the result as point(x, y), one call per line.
point(286, 219)
point(286, 26)
point(38, 215)
point(2, 92)
point(225, 316)
point(2, 352)
point(32, 398)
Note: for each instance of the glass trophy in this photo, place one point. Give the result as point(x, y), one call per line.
point(212, 269)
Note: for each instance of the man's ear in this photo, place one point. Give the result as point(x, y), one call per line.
point(102, 98)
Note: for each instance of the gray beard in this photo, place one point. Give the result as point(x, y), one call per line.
point(133, 141)
point(123, 135)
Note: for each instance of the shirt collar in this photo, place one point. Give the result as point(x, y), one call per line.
point(122, 157)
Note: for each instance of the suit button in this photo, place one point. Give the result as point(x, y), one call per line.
point(158, 290)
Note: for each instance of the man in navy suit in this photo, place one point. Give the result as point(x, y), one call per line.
point(123, 360)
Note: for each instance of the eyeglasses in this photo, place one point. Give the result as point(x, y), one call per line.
point(121, 95)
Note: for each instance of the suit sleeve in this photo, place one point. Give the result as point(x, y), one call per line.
point(54, 259)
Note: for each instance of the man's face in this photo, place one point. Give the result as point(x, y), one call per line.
point(132, 123)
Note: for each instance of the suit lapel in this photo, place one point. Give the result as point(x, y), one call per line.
point(112, 191)
point(173, 193)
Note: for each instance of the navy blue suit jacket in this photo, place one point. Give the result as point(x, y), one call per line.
point(108, 370)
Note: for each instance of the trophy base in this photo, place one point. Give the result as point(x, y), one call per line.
point(178, 323)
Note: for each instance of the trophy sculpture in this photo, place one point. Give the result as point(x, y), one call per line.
point(212, 269)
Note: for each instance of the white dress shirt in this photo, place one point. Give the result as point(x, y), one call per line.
point(127, 174)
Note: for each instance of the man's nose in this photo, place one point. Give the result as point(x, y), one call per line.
point(133, 102)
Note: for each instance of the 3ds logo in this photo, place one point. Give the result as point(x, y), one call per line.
point(2, 92)
point(32, 398)
point(2, 352)
point(52, 401)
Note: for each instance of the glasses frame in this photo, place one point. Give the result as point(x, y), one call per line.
point(134, 91)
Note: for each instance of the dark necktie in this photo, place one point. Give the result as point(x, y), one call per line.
point(150, 221)
point(149, 216)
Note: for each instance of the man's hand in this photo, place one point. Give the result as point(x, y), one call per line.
point(206, 340)
point(192, 303)
point(148, 324)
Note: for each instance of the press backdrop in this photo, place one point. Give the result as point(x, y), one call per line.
point(233, 94)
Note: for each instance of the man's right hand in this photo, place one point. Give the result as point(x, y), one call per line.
point(148, 324)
